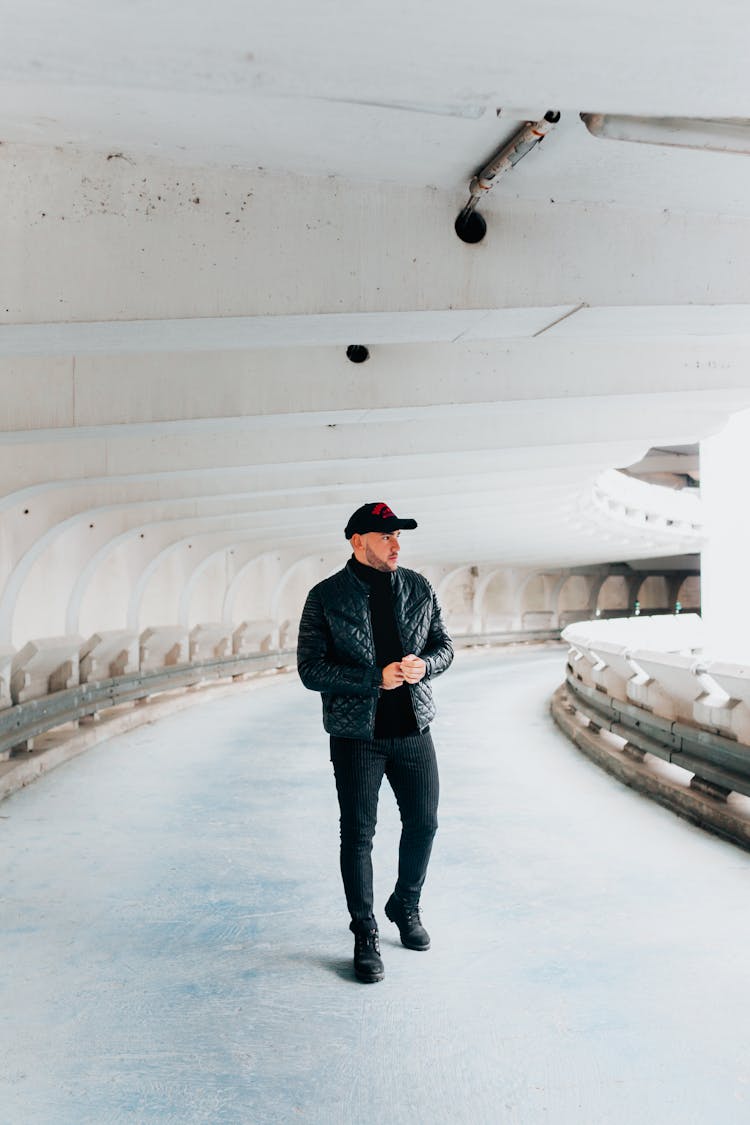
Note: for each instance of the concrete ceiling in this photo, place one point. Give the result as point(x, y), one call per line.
point(207, 204)
point(375, 93)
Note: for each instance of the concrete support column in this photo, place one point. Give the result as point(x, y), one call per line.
point(725, 583)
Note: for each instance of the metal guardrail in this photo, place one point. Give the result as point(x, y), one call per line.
point(528, 636)
point(24, 721)
point(720, 762)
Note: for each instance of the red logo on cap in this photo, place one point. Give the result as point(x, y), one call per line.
point(383, 511)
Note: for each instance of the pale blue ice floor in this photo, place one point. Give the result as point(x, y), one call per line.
point(175, 946)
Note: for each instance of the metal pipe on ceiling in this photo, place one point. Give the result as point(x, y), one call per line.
point(715, 134)
point(506, 158)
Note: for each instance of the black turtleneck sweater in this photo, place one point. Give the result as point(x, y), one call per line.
point(395, 715)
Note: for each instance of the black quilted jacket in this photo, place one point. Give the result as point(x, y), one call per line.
point(336, 652)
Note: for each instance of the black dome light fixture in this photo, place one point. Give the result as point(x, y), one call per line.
point(470, 226)
point(357, 353)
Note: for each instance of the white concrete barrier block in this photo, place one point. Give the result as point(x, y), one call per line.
point(164, 646)
point(582, 664)
point(114, 652)
point(210, 641)
point(584, 667)
point(733, 718)
point(722, 716)
point(255, 636)
point(7, 652)
point(45, 665)
point(734, 679)
point(673, 686)
point(617, 656)
point(615, 668)
point(584, 660)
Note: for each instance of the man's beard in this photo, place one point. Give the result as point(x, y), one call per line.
point(375, 562)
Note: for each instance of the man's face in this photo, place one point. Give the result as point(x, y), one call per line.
point(378, 549)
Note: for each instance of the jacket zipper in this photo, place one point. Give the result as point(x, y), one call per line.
point(401, 639)
point(374, 705)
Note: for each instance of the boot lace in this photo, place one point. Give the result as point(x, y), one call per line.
point(362, 941)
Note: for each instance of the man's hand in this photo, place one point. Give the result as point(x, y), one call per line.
point(393, 676)
point(413, 668)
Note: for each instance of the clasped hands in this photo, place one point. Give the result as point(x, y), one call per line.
point(410, 670)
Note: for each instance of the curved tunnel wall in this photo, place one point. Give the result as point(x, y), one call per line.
point(197, 569)
point(89, 573)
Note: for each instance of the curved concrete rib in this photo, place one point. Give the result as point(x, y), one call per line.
point(176, 931)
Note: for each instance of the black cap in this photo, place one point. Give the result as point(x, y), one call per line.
point(376, 517)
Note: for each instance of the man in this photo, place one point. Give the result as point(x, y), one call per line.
point(370, 640)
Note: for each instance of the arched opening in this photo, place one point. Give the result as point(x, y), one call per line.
point(499, 607)
point(536, 599)
point(653, 595)
point(290, 593)
point(249, 596)
point(689, 594)
point(207, 589)
point(614, 597)
point(457, 592)
point(574, 601)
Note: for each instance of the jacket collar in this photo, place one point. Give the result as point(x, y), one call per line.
point(350, 573)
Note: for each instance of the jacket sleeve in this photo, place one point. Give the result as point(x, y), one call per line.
point(438, 651)
point(317, 668)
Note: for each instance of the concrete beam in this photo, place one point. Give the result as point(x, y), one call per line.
point(91, 239)
point(89, 391)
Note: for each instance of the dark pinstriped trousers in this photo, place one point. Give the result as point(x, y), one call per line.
point(410, 765)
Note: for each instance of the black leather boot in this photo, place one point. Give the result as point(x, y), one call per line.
point(406, 917)
point(368, 966)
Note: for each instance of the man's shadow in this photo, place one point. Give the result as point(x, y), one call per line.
point(340, 966)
